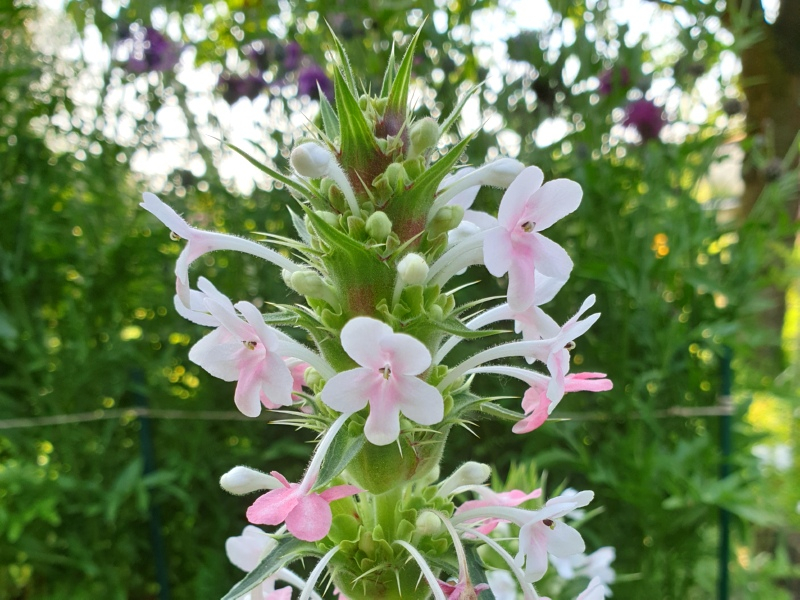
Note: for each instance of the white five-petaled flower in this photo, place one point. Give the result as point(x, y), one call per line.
point(517, 247)
point(245, 351)
point(386, 379)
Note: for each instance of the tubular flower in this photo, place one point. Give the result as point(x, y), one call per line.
point(245, 551)
point(386, 379)
point(307, 514)
point(517, 247)
point(245, 351)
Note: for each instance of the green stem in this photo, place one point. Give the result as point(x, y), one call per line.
point(386, 509)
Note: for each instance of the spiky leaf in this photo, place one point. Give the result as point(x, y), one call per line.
point(388, 76)
point(358, 146)
point(477, 570)
point(329, 119)
point(456, 112)
point(398, 95)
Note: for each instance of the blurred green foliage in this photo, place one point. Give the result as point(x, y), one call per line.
point(86, 292)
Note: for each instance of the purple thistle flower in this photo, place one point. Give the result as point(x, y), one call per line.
point(612, 79)
point(292, 55)
point(151, 52)
point(308, 79)
point(646, 117)
point(235, 87)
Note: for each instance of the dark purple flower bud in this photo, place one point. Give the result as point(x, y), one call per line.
point(151, 51)
point(292, 55)
point(614, 79)
point(235, 87)
point(309, 78)
point(646, 117)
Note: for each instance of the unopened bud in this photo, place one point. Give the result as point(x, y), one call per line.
point(311, 160)
point(413, 269)
point(329, 217)
point(428, 525)
point(424, 134)
point(378, 226)
point(396, 175)
point(286, 275)
point(470, 473)
point(243, 480)
point(501, 172)
point(446, 218)
point(312, 377)
point(308, 283)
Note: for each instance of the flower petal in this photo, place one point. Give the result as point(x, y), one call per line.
point(553, 201)
point(310, 519)
point(515, 200)
point(419, 401)
point(218, 354)
point(383, 423)
point(533, 544)
point(563, 540)
point(273, 507)
point(245, 550)
point(521, 279)
point(277, 383)
point(338, 492)
point(406, 354)
point(551, 259)
point(361, 338)
point(348, 392)
point(497, 251)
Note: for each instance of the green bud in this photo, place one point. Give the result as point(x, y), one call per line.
point(312, 377)
point(378, 226)
point(446, 218)
point(329, 217)
point(287, 278)
point(414, 166)
point(356, 227)
point(337, 198)
point(308, 283)
point(436, 313)
point(428, 525)
point(423, 135)
point(380, 104)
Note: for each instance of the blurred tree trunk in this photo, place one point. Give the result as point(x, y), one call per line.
point(771, 83)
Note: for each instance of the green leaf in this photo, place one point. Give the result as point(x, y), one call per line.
point(456, 112)
point(477, 571)
point(305, 191)
point(358, 146)
point(287, 550)
point(339, 455)
point(344, 68)
point(329, 119)
point(388, 76)
point(455, 327)
point(397, 103)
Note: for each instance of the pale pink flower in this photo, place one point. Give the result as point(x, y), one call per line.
point(245, 351)
point(492, 498)
point(201, 242)
point(595, 591)
point(538, 406)
point(461, 589)
point(307, 514)
point(246, 551)
point(517, 247)
point(386, 379)
point(543, 534)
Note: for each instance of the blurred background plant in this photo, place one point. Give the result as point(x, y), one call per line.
point(680, 123)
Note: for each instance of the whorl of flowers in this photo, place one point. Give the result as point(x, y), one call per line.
point(384, 229)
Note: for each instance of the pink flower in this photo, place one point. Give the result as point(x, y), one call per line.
point(245, 351)
point(246, 551)
point(386, 379)
point(462, 589)
point(517, 247)
point(491, 498)
point(307, 514)
point(538, 406)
